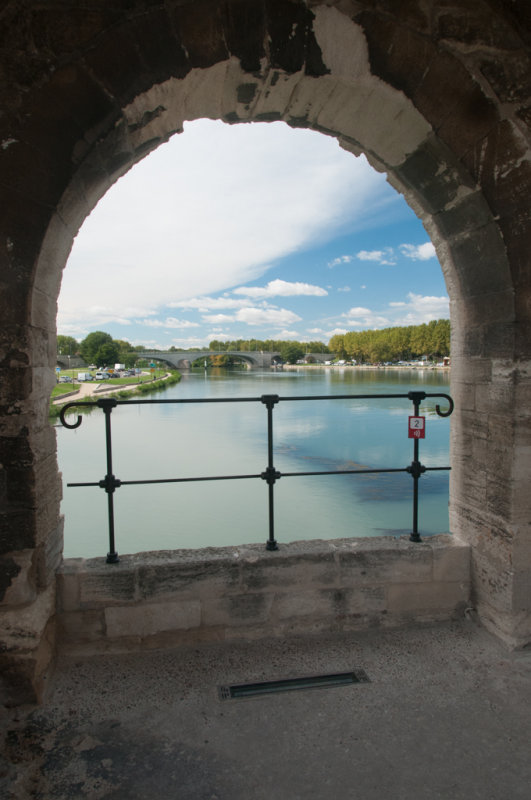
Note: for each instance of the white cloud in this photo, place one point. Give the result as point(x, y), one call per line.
point(421, 309)
point(339, 260)
point(169, 322)
point(277, 317)
point(385, 256)
point(280, 288)
point(419, 252)
point(371, 321)
point(218, 319)
point(360, 317)
point(288, 335)
point(208, 303)
point(221, 337)
point(336, 332)
point(191, 341)
point(415, 311)
point(209, 210)
point(357, 311)
point(344, 289)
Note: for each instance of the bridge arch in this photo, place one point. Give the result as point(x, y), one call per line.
point(432, 96)
point(184, 359)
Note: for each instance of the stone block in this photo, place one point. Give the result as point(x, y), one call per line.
point(68, 591)
point(468, 213)
point(318, 569)
point(451, 99)
point(236, 611)
point(451, 561)
point(522, 591)
point(151, 618)
point(81, 626)
point(23, 628)
point(17, 579)
point(329, 604)
point(49, 555)
point(314, 604)
point(198, 575)
point(108, 586)
point(420, 598)
point(394, 562)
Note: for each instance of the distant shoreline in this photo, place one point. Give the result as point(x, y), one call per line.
point(364, 366)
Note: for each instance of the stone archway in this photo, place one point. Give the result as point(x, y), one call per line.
point(437, 99)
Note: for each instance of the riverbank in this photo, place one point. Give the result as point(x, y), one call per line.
point(89, 390)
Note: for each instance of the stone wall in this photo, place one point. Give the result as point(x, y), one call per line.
point(166, 598)
point(437, 95)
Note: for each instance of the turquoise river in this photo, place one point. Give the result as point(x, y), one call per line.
point(209, 439)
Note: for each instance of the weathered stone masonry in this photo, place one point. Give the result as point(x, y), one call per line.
point(436, 94)
point(217, 594)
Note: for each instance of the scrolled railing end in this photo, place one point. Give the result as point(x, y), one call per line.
point(450, 406)
point(65, 409)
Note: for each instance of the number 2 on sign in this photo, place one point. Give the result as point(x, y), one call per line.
point(417, 427)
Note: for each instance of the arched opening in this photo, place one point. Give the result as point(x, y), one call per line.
point(305, 218)
point(398, 89)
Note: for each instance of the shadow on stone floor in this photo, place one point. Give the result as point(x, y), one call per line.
point(445, 715)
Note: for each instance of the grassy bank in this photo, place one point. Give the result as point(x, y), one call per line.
point(146, 386)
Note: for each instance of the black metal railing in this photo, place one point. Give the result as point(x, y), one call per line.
point(270, 475)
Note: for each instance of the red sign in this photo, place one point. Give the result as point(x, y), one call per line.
point(417, 427)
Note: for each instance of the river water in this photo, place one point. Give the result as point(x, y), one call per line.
point(169, 441)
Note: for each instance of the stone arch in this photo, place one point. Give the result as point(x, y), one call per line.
point(436, 98)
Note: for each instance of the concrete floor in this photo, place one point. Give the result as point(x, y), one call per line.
point(446, 715)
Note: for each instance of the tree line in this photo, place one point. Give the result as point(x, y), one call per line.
point(431, 339)
point(405, 343)
point(99, 348)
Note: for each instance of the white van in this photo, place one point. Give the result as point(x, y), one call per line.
point(84, 376)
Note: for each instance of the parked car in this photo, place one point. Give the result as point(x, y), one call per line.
point(102, 376)
point(65, 379)
point(84, 376)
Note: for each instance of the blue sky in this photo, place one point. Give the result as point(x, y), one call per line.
point(249, 231)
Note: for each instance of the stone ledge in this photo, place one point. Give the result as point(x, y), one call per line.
point(156, 598)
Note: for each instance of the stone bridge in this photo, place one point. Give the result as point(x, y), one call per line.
point(256, 359)
point(68, 362)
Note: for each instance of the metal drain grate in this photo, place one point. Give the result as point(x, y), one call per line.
point(291, 684)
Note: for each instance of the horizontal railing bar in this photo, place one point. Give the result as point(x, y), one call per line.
point(352, 396)
point(183, 480)
point(342, 472)
point(176, 480)
point(259, 399)
point(355, 471)
point(259, 475)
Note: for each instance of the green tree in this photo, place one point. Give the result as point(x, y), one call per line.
point(337, 345)
point(92, 343)
point(107, 354)
point(291, 352)
point(216, 344)
point(316, 347)
point(394, 344)
point(67, 345)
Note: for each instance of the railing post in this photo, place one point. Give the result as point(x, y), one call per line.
point(270, 474)
point(109, 483)
point(416, 469)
